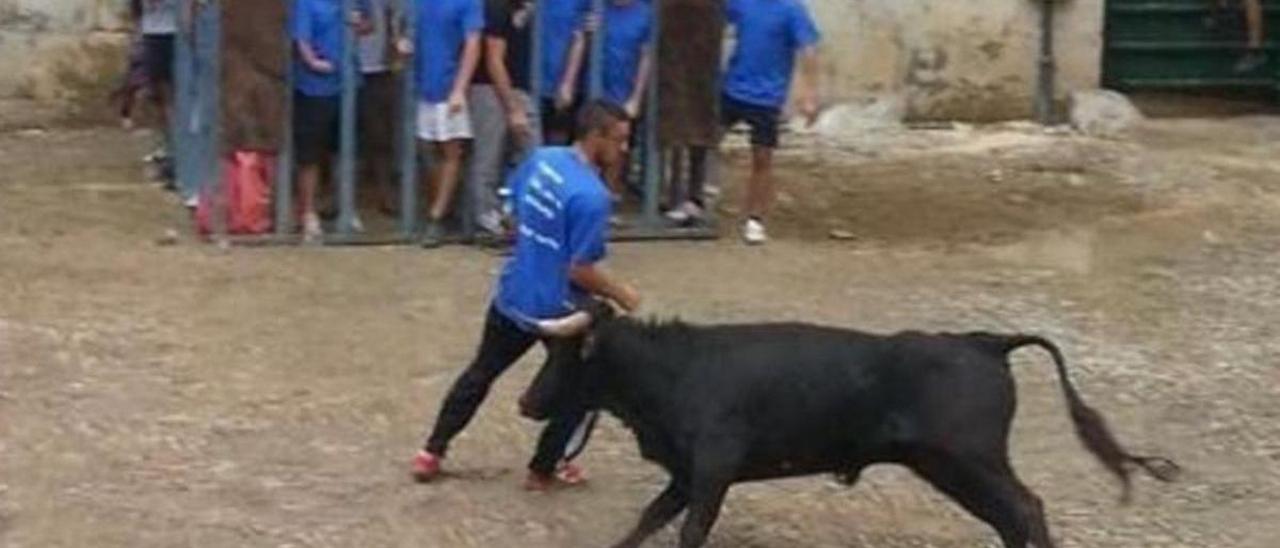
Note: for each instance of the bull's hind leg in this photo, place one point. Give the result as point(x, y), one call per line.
point(991, 492)
point(658, 514)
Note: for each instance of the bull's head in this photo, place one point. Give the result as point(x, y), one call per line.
point(563, 383)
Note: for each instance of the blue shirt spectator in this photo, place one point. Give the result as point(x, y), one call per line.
point(320, 24)
point(561, 20)
point(628, 28)
point(443, 29)
point(770, 33)
point(562, 210)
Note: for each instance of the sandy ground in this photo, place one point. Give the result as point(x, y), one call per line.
point(188, 396)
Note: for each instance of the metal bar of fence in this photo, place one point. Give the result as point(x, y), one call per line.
point(208, 68)
point(284, 160)
point(182, 106)
point(347, 132)
point(653, 157)
point(595, 84)
point(408, 145)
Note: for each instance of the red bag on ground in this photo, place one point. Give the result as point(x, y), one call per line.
point(247, 181)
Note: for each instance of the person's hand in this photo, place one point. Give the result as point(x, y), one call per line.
point(322, 66)
point(809, 109)
point(457, 102)
point(628, 298)
point(518, 122)
point(404, 47)
point(564, 98)
point(633, 108)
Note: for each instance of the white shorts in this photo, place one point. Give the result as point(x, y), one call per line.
point(437, 125)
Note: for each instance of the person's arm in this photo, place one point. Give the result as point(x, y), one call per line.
point(641, 82)
point(300, 31)
point(569, 84)
point(466, 70)
point(496, 63)
point(807, 90)
point(804, 34)
point(594, 280)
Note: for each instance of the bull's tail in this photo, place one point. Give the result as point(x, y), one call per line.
point(1090, 426)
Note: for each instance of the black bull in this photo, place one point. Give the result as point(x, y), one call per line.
point(717, 405)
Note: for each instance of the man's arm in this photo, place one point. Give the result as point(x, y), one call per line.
point(641, 82)
point(496, 63)
point(807, 91)
point(466, 69)
point(595, 281)
point(564, 98)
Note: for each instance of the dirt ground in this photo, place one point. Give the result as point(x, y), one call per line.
point(189, 396)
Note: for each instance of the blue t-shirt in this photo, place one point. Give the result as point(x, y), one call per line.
point(562, 211)
point(627, 30)
point(560, 20)
point(319, 24)
point(770, 32)
point(443, 29)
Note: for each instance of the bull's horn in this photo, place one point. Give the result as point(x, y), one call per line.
point(568, 326)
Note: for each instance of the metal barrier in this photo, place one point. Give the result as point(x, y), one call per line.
point(198, 151)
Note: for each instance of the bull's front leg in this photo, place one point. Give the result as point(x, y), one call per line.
point(715, 468)
point(658, 514)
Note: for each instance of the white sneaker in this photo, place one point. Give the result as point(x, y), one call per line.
point(491, 222)
point(311, 228)
point(753, 232)
point(357, 225)
point(685, 213)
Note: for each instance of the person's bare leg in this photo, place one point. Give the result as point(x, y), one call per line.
point(451, 153)
point(1254, 22)
point(760, 191)
point(308, 182)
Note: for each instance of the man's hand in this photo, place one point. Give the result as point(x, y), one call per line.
point(564, 98)
point(628, 298)
point(518, 122)
point(633, 108)
point(321, 66)
point(591, 23)
point(809, 108)
point(404, 47)
point(457, 101)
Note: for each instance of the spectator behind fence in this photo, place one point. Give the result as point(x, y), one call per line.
point(378, 103)
point(770, 35)
point(158, 23)
point(317, 27)
point(1255, 55)
point(503, 116)
point(628, 31)
point(564, 24)
point(447, 51)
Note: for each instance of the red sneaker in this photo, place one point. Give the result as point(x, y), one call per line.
point(426, 466)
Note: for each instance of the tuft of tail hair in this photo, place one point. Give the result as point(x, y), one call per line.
point(1091, 428)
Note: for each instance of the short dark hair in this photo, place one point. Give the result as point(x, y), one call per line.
point(598, 115)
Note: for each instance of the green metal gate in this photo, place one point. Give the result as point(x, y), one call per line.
point(1184, 45)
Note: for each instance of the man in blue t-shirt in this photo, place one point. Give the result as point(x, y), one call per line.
point(771, 34)
point(628, 31)
point(563, 54)
point(316, 28)
point(562, 211)
point(448, 50)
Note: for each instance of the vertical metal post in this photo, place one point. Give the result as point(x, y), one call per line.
point(1045, 84)
point(284, 160)
point(653, 172)
point(347, 137)
point(409, 125)
point(595, 74)
point(183, 79)
point(208, 34)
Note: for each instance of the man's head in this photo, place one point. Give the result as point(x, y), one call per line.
point(603, 132)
